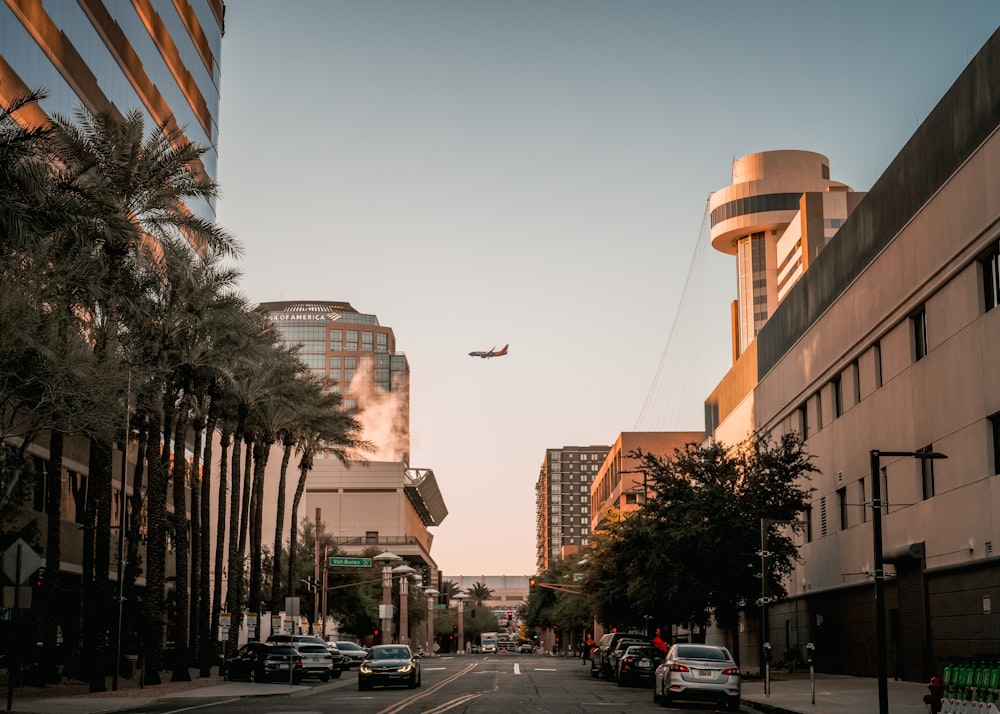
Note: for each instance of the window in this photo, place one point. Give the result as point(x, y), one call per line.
point(991, 278)
point(836, 389)
point(927, 474)
point(856, 378)
point(862, 500)
point(995, 435)
point(381, 342)
point(352, 341)
point(371, 537)
point(883, 475)
point(919, 324)
point(877, 353)
point(336, 340)
point(804, 421)
point(807, 517)
point(366, 342)
point(842, 506)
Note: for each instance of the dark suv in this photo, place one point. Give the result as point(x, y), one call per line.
point(600, 658)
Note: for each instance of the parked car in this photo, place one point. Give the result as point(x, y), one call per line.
point(354, 654)
point(317, 661)
point(616, 652)
point(637, 665)
point(389, 664)
point(263, 662)
point(694, 672)
point(525, 648)
point(339, 660)
point(600, 666)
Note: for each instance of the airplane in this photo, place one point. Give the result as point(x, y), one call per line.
point(491, 352)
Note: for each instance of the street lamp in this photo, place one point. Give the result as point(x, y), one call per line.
point(403, 572)
point(431, 594)
point(461, 597)
point(877, 504)
point(385, 611)
point(765, 632)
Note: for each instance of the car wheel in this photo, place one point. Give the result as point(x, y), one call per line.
point(363, 686)
point(733, 704)
point(336, 675)
point(252, 676)
point(656, 694)
point(621, 682)
point(325, 677)
point(412, 684)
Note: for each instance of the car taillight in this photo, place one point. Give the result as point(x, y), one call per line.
point(628, 659)
point(731, 671)
point(675, 667)
point(298, 661)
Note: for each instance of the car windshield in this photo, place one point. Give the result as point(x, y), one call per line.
point(313, 649)
point(640, 652)
point(348, 646)
point(279, 650)
point(702, 652)
point(391, 653)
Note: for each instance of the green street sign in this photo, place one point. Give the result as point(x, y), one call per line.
point(338, 562)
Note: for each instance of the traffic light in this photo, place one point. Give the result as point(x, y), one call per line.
point(375, 632)
point(454, 629)
point(510, 615)
point(532, 582)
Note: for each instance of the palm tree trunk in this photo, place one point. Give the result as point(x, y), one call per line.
point(156, 552)
point(182, 551)
point(279, 526)
point(97, 585)
point(293, 530)
point(260, 451)
point(234, 589)
point(206, 649)
point(53, 543)
point(194, 643)
point(220, 534)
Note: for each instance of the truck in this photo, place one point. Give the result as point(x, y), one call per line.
point(488, 643)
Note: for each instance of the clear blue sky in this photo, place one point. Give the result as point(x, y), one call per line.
point(535, 173)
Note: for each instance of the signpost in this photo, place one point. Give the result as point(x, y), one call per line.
point(18, 562)
point(335, 561)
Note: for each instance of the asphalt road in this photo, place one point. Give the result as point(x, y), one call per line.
point(473, 684)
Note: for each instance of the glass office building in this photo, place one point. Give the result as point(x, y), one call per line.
point(160, 57)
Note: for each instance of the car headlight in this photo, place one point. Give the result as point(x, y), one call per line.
point(406, 668)
point(365, 668)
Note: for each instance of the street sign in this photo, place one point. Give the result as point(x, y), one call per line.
point(20, 554)
point(340, 562)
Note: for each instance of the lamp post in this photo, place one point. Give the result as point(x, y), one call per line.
point(765, 632)
point(461, 597)
point(385, 611)
point(877, 504)
point(431, 594)
point(403, 572)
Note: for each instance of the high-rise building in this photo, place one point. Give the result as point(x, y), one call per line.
point(562, 501)
point(358, 356)
point(881, 356)
point(158, 57)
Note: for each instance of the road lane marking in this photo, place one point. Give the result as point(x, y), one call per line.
point(403, 703)
point(517, 668)
point(454, 703)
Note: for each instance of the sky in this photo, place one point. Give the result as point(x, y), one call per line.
point(535, 173)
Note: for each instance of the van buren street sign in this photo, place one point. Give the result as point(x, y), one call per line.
point(336, 561)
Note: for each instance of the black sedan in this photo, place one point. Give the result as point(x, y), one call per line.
point(261, 662)
point(638, 664)
point(389, 664)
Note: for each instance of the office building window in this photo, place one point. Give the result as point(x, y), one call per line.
point(381, 342)
point(336, 340)
point(877, 354)
point(927, 474)
point(351, 344)
point(991, 278)
point(842, 507)
point(862, 499)
point(836, 389)
point(995, 436)
point(804, 421)
point(919, 325)
point(883, 475)
point(856, 378)
point(807, 518)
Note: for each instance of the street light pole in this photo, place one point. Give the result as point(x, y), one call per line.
point(385, 613)
point(431, 594)
point(881, 668)
point(461, 597)
point(403, 572)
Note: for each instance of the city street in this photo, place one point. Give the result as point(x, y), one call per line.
point(473, 683)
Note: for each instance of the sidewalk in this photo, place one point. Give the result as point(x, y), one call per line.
point(74, 697)
point(834, 694)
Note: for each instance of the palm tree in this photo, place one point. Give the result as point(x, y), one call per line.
point(131, 193)
point(480, 593)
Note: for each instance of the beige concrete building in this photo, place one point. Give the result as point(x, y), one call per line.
point(619, 484)
point(889, 342)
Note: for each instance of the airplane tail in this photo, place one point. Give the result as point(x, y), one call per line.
point(503, 351)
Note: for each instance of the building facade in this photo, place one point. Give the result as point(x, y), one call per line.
point(160, 58)
point(619, 485)
point(562, 501)
point(384, 503)
point(888, 343)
